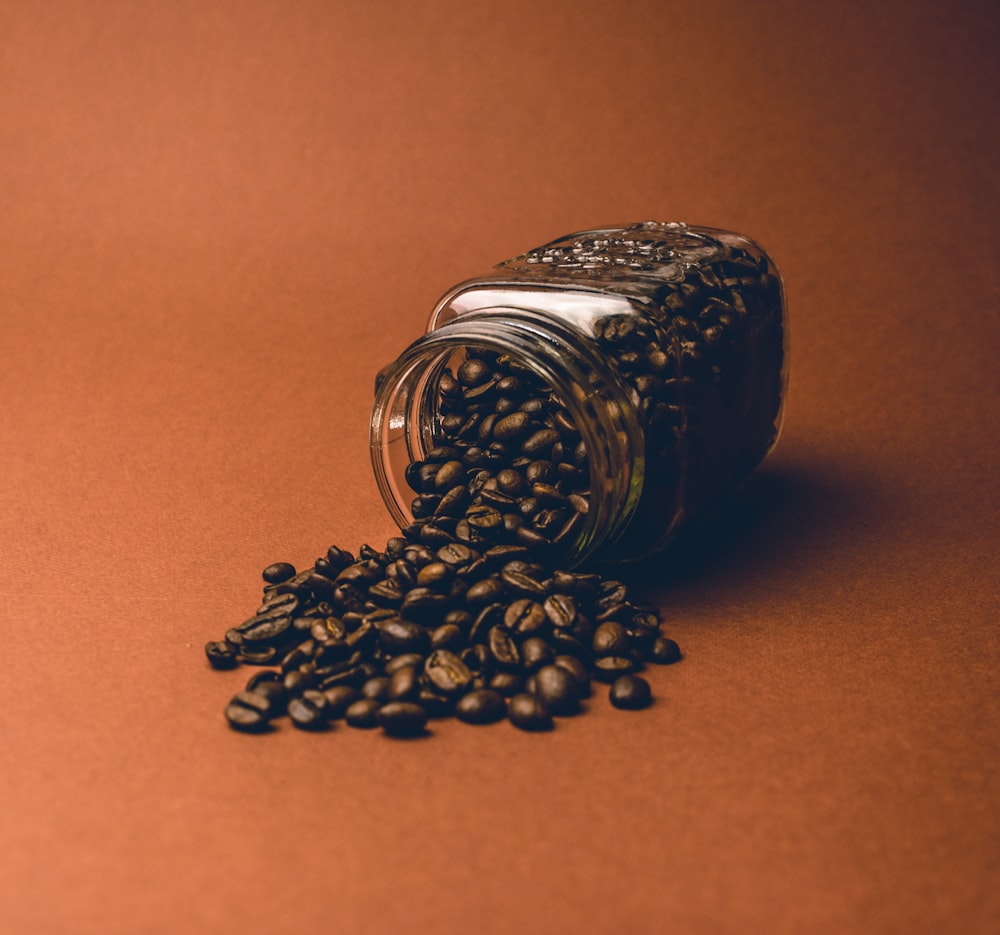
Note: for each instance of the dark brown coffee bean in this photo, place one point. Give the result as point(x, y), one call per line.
point(402, 719)
point(339, 699)
point(610, 639)
point(353, 676)
point(608, 668)
point(535, 653)
point(528, 712)
point(249, 712)
point(511, 427)
point(525, 617)
point(265, 630)
point(402, 636)
point(503, 649)
point(308, 711)
point(450, 474)
point(560, 609)
point(404, 685)
point(507, 683)
point(278, 572)
point(258, 655)
point(484, 592)
point(665, 651)
point(579, 672)
point(630, 692)
point(558, 689)
point(435, 575)
point(434, 703)
point(447, 673)
point(511, 483)
point(375, 688)
point(447, 636)
point(521, 584)
point(481, 707)
point(363, 713)
point(455, 554)
point(474, 372)
point(221, 655)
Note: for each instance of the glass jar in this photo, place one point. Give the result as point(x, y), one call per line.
point(667, 346)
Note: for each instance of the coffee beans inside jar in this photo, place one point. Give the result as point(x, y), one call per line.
point(582, 401)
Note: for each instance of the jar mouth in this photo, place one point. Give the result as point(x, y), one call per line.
point(405, 415)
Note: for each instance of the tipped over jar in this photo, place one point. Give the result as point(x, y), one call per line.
point(585, 400)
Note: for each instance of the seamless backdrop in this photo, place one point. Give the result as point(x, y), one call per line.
point(218, 220)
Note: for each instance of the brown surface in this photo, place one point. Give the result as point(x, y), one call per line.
point(218, 220)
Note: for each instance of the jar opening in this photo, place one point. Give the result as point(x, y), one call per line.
point(409, 420)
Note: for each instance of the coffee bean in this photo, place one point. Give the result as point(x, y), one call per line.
point(404, 685)
point(375, 688)
point(402, 719)
point(473, 372)
point(484, 592)
point(630, 692)
point(402, 636)
point(610, 639)
point(560, 609)
point(249, 712)
point(524, 617)
point(558, 689)
point(503, 649)
point(579, 672)
point(258, 656)
point(507, 683)
point(221, 655)
point(308, 711)
point(535, 653)
point(339, 699)
point(447, 673)
point(363, 713)
point(665, 651)
point(609, 668)
point(278, 572)
point(521, 584)
point(529, 712)
point(481, 707)
point(447, 636)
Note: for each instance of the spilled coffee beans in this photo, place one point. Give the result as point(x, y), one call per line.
point(467, 613)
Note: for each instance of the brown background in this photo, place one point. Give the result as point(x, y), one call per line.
point(217, 220)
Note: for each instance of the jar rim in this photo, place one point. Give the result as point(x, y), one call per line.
point(594, 397)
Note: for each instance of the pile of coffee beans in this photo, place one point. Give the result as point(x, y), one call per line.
point(467, 613)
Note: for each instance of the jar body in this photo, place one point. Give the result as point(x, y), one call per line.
point(676, 336)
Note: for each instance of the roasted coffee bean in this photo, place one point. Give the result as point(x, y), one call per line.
point(298, 680)
point(353, 676)
point(503, 649)
point(265, 630)
point(249, 712)
point(525, 617)
point(402, 636)
point(447, 673)
point(481, 707)
point(447, 636)
point(339, 699)
point(459, 618)
point(540, 442)
point(234, 638)
point(522, 585)
point(402, 719)
point(608, 668)
point(363, 713)
point(308, 711)
point(450, 474)
point(558, 689)
point(293, 659)
point(529, 712)
point(630, 692)
point(221, 655)
point(610, 639)
point(535, 653)
point(579, 672)
point(484, 592)
point(455, 554)
point(507, 683)
point(404, 685)
point(434, 703)
point(560, 609)
point(511, 427)
point(540, 472)
point(258, 655)
point(473, 372)
point(565, 643)
point(435, 575)
point(376, 688)
point(278, 572)
point(665, 651)
point(489, 616)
